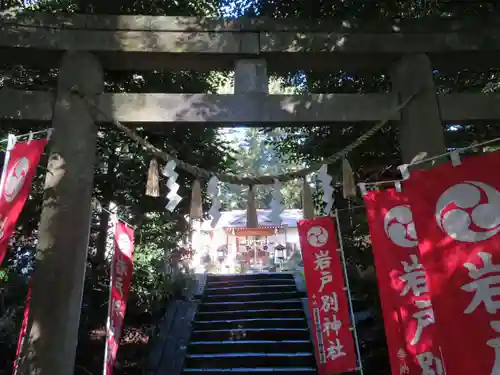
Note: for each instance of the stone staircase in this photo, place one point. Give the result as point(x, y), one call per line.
point(250, 323)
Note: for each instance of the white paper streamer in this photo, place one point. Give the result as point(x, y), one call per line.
point(326, 183)
point(405, 174)
point(173, 198)
point(455, 158)
point(362, 188)
point(276, 203)
point(213, 193)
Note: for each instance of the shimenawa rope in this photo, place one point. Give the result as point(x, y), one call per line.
point(231, 178)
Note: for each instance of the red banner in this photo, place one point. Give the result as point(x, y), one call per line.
point(19, 168)
point(328, 302)
point(24, 328)
point(121, 278)
point(408, 315)
point(457, 217)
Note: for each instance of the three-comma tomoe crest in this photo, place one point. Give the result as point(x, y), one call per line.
point(469, 212)
point(317, 236)
point(15, 179)
point(399, 226)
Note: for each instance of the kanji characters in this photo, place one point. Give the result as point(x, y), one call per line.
point(404, 369)
point(119, 285)
point(118, 308)
point(111, 352)
point(414, 277)
point(326, 278)
point(401, 353)
point(322, 264)
point(330, 302)
point(331, 325)
point(327, 314)
point(425, 318)
point(430, 364)
point(121, 270)
point(334, 350)
point(121, 266)
point(323, 260)
point(495, 344)
point(485, 287)
point(403, 366)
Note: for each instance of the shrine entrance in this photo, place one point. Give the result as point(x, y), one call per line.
point(241, 248)
point(250, 47)
point(259, 249)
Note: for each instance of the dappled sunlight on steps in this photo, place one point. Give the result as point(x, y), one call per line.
point(251, 323)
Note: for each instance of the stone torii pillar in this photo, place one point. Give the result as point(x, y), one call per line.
point(250, 77)
point(420, 128)
point(57, 288)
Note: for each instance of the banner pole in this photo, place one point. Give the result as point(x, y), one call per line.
point(111, 281)
point(344, 266)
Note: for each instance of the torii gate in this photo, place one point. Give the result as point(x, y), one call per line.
point(83, 45)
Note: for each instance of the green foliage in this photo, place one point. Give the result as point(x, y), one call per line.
point(255, 154)
point(148, 264)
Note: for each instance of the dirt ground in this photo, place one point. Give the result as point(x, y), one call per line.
point(132, 353)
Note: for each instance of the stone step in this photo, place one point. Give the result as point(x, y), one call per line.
point(254, 360)
point(258, 313)
point(252, 288)
point(240, 282)
point(251, 276)
point(242, 297)
point(250, 305)
point(250, 323)
point(251, 334)
point(258, 371)
point(245, 346)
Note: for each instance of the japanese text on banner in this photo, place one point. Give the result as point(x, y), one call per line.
point(121, 278)
point(328, 302)
point(406, 301)
point(22, 161)
point(457, 216)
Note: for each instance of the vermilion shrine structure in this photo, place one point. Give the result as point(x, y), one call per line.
point(83, 46)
